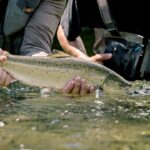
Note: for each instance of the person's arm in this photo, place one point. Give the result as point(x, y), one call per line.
point(73, 50)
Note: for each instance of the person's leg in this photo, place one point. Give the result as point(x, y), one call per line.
point(41, 28)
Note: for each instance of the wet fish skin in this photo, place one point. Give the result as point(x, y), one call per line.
point(55, 72)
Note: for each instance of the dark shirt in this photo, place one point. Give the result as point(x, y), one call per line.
point(129, 16)
point(3, 5)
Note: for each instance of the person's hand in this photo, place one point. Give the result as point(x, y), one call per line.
point(5, 78)
point(99, 58)
point(77, 86)
point(2, 56)
point(42, 54)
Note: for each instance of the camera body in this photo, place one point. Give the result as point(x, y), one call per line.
point(126, 56)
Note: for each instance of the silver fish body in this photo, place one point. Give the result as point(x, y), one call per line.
point(56, 72)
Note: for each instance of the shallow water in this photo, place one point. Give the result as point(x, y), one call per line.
point(115, 121)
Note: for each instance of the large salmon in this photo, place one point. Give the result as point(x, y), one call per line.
point(55, 72)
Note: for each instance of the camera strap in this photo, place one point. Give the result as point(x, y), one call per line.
point(107, 18)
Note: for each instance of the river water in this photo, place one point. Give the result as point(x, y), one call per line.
point(30, 120)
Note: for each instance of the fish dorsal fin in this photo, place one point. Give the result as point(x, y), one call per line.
point(58, 54)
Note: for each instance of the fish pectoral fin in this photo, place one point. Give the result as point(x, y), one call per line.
point(58, 54)
point(105, 80)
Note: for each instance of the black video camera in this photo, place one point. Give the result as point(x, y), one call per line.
point(126, 55)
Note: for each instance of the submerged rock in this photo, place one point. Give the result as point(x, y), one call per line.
point(2, 124)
